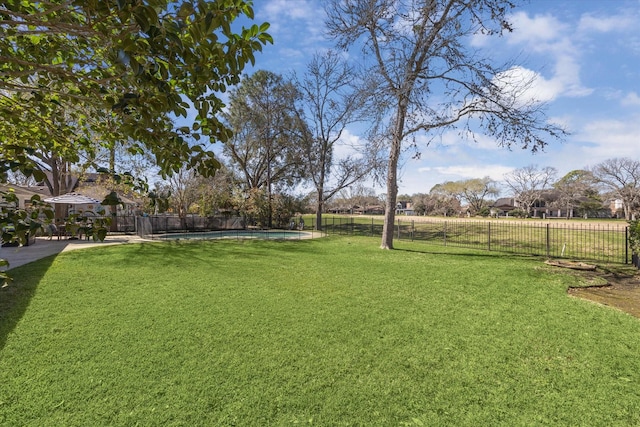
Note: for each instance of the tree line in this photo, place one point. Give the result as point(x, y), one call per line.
point(86, 84)
point(285, 134)
point(588, 192)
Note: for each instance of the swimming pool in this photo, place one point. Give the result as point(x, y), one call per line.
point(238, 234)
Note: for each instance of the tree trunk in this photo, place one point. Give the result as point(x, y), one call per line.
point(269, 205)
point(392, 187)
point(627, 211)
point(392, 174)
point(113, 210)
point(58, 185)
point(319, 209)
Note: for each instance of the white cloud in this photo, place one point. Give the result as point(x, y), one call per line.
point(611, 138)
point(631, 100)
point(528, 86)
point(536, 31)
point(547, 36)
point(455, 141)
point(291, 53)
point(296, 9)
point(461, 172)
point(302, 17)
point(567, 77)
point(589, 23)
point(349, 144)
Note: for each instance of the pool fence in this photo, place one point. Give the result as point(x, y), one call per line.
point(589, 241)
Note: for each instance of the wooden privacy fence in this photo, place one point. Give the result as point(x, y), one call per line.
point(581, 241)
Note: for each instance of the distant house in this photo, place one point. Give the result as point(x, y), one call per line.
point(404, 208)
point(340, 210)
point(369, 210)
point(503, 206)
point(90, 186)
point(548, 206)
point(24, 194)
point(617, 208)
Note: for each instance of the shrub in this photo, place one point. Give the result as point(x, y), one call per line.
point(518, 213)
point(634, 241)
point(484, 212)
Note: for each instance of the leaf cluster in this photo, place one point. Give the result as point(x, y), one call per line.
point(142, 63)
point(634, 236)
point(18, 224)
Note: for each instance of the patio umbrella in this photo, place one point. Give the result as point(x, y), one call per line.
point(72, 199)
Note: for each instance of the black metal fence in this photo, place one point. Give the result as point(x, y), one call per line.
point(580, 241)
point(190, 223)
point(174, 224)
point(171, 227)
point(602, 242)
point(125, 223)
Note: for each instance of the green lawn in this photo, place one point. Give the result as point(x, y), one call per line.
point(329, 332)
point(593, 240)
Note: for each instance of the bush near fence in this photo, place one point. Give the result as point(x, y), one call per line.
point(581, 241)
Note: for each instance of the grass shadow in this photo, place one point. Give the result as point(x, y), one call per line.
point(210, 251)
point(16, 296)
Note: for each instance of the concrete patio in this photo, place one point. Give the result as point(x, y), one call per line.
point(43, 247)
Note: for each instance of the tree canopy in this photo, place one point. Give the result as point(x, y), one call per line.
point(139, 63)
point(329, 101)
point(528, 183)
point(78, 75)
point(620, 178)
point(265, 148)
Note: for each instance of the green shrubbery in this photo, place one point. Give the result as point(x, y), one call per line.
point(634, 241)
point(17, 224)
point(518, 213)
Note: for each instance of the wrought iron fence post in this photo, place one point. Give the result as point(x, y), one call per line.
point(548, 243)
point(626, 245)
point(444, 233)
point(489, 237)
point(413, 228)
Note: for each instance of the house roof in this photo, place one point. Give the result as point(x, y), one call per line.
point(504, 202)
point(22, 191)
point(99, 192)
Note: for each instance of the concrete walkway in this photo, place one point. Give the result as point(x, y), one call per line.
point(43, 247)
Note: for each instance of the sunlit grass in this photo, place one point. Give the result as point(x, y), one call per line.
point(325, 332)
point(595, 240)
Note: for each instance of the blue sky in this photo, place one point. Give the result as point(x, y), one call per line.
point(586, 58)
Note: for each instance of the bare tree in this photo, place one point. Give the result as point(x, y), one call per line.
point(181, 186)
point(329, 103)
point(425, 78)
point(444, 199)
point(476, 191)
point(576, 190)
point(620, 178)
point(218, 194)
point(527, 184)
point(265, 147)
point(356, 195)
